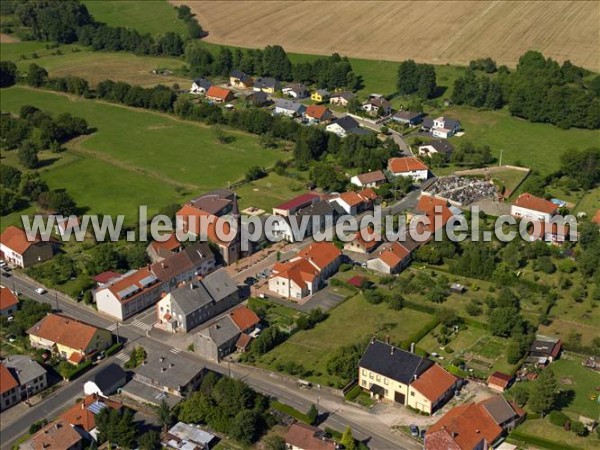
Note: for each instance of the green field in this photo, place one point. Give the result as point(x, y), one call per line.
point(269, 192)
point(349, 323)
point(138, 157)
point(146, 16)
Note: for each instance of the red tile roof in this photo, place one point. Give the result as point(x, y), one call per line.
point(105, 277)
point(7, 298)
point(244, 318)
point(298, 202)
point(16, 239)
point(433, 207)
point(321, 254)
point(218, 92)
point(7, 381)
point(300, 271)
point(468, 424)
point(243, 341)
point(356, 281)
point(56, 435)
point(534, 203)
point(352, 198)
point(133, 280)
point(188, 212)
point(80, 415)
point(393, 254)
point(303, 436)
point(318, 112)
point(373, 239)
point(171, 244)
point(434, 382)
point(368, 194)
point(405, 164)
point(500, 379)
point(65, 331)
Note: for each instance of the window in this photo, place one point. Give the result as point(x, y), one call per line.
point(364, 372)
point(412, 393)
point(363, 383)
point(371, 375)
point(385, 381)
point(378, 378)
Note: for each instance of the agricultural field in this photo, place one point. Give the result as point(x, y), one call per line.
point(269, 192)
point(351, 322)
point(141, 157)
point(395, 31)
point(146, 16)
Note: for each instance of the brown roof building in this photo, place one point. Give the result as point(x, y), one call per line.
point(9, 302)
point(499, 381)
point(305, 437)
point(57, 435)
point(17, 249)
point(244, 318)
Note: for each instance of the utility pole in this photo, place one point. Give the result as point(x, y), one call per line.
point(56, 299)
point(117, 330)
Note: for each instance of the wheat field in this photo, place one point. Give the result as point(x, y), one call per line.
point(436, 32)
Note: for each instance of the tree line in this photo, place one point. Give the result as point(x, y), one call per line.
point(419, 79)
point(539, 90)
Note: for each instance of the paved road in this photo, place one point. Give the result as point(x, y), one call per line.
point(367, 426)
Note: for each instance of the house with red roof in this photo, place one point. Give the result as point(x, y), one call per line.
point(370, 179)
point(318, 114)
point(9, 302)
point(437, 210)
point(159, 250)
point(294, 205)
point(18, 250)
point(71, 339)
point(57, 435)
point(499, 381)
point(218, 94)
point(365, 241)
point(532, 207)
point(302, 436)
point(82, 415)
point(303, 275)
point(391, 258)
point(355, 202)
point(408, 166)
point(129, 294)
point(245, 319)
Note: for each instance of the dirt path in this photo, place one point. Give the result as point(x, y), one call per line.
point(8, 39)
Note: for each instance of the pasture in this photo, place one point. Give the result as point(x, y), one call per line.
point(138, 157)
point(146, 16)
point(433, 32)
point(351, 322)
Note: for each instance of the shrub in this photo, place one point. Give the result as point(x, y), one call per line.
point(578, 428)
point(558, 418)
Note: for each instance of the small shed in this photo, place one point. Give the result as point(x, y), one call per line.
point(458, 288)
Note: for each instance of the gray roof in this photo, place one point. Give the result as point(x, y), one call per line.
point(258, 97)
point(323, 92)
point(318, 208)
point(203, 82)
point(347, 123)
point(222, 331)
point(181, 262)
point(167, 369)
point(109, 376)
point(499, 409)
point(441, 146)
point(289, 105)
point(23, 368)
point(345, 95)
point(240, 75)
point(408, 115)
point(392, 362)
point(223, 193)
point(189, 434)
point(451, 123)
point(211, 203)
point(266, 82)
point(149, 394)
point(219, 285)
point(190, 297)
point(297, 87)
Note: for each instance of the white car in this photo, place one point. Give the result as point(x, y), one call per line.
point(40, 291)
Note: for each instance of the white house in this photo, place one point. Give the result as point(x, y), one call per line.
point(408, 166)
point(369, 179)
point(343, 126)
point(442, 127)
point(106, 382)
point(200, 86)
point(289, 108)
point(377, 105)
point(441, 146)
point(130, 294)
point(295, 91)
point(533, 207)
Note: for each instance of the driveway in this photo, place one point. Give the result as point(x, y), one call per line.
point(325, 299)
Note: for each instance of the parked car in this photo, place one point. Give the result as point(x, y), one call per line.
point(423, 434)
point(10, 318)
point(40, 291)
point(100, 356)
point(250, 281)
point(2, 263)
point(414, 430)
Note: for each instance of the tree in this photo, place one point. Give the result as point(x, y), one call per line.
point(28, 155)
point(519, 394)
point(244, 427)
point(312, 414)
point(165, 416)
point(503, 320)
point(274, 442)
point(10, 177)
point(8, 73)
point(150, 440)
point(116, 426)
point(544, 393)
point(255, 173)
point(36, 76)
point(348, 440)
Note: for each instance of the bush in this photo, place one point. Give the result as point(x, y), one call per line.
point(558, 418)
point(353, 393)
point(113, 349)
point(579, 428)
point(345, 267)
point(69, 371)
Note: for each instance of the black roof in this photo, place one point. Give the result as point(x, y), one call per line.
point(266, 82)
point(259, 97)
point(441, 146)
point(203, 83)
point(318, 208)
point(109, 376)
point(240, 75)
point(392, 362)
point(347, 123)
point(427, 122)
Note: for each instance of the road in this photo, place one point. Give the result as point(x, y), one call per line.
point(367, 426)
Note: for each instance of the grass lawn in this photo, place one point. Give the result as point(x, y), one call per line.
point(542, 428)
point(523, 143)
point(583, 381)
point(269, 192)
point(146, 16)
point(589, 202)
point(139, 157)
point(273, 312)
point(351, 322)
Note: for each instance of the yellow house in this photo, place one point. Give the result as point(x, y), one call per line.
point(69, 338)
point(392, 374)
point(320, 95)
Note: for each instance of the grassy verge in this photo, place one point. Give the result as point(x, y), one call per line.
point(290, 411)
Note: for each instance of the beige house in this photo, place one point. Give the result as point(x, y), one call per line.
point(71, 339)
point(392, 374)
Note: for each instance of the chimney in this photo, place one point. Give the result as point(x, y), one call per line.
point(412, 347)
point(162, 264)
point(171, 365)
point(477, 431)
point(387, 339)
point(454, 434)
point(415, 377)
point(162, 358)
